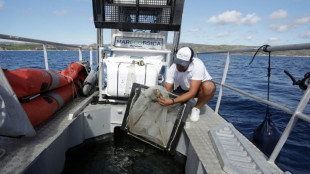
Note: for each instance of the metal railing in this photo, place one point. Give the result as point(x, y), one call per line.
point(16, 38)
point(297, 114)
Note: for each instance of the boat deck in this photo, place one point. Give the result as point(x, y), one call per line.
point(48, 147)
point(20, 153)
point(201, 143)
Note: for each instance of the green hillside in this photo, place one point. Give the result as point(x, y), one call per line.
point(205, 48)
point(196, 48)
point(11, 46)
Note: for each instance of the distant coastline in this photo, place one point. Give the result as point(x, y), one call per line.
point(12, 46)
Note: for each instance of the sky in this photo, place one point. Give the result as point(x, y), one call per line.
point(219, 22)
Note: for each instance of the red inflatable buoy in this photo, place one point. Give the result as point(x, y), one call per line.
point(44, 106)
point(53, 89)
point(27, 82)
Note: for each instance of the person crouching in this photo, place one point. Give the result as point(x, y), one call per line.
point(193, 80)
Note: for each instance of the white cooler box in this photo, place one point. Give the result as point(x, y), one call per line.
point(122, 73)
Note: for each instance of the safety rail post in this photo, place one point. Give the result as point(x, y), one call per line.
point(100, 71)
point(45, 57)
point(301, 106)
point(99, 43)
point(80, 54)
point(222, 83)
point(91, 58)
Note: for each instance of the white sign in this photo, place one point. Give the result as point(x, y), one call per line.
point(138, 43)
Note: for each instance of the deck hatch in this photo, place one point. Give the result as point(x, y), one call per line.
point(156, 125)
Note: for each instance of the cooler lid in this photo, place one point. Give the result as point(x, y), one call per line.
point(152, 123)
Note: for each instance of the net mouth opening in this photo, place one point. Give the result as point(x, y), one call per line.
point(152, 123)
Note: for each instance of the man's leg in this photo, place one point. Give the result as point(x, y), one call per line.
point(206, 93)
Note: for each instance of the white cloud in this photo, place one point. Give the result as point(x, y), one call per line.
point(226, 18)
point(194, 30)
point(60, 12)
point(304, 20)
point(273, 39)
point(249, 38)
point(278, 14)
point(282, 27)
point(250, 19)
point(91, 18)
point(306, 35)
point(222, 34)
point(234, 17)
point(292, 24)
point(1, 4)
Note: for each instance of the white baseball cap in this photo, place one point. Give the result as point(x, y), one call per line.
point(184, 56)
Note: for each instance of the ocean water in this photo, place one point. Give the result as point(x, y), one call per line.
point(120, 153)
point(245, 113)
point(58, 60)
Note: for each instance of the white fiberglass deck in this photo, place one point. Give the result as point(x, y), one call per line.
point(200, 142)
point(45, 153)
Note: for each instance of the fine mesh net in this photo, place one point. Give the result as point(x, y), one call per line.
point(149, 11)
point(150, 120)
point(138, 14)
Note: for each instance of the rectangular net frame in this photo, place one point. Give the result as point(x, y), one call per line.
point(151, 123)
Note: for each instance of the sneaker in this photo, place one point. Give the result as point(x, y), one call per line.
point(195, 114)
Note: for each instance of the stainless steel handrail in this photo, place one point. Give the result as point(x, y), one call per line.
point(10, 37)
point(297, 114)
point(269, 48)
point(275, 105)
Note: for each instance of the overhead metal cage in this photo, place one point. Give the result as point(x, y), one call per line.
point(138, 14)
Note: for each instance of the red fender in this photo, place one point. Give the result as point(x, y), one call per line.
point(56, 89)
point(75, 71)
point(44, 106)
point(27, 82)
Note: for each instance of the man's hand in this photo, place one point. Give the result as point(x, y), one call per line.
point(165, 101)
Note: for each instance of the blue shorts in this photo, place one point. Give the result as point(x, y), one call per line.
point(180, 91)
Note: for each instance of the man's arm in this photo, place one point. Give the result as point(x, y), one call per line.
point(194, 86)
point(169, 86)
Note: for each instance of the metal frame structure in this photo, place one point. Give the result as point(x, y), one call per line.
point(23, 39)
point(107, 16)
point(110, 14)
point(297, 114)
point(138, 14)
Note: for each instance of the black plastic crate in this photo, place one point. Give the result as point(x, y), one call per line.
point(138, 14)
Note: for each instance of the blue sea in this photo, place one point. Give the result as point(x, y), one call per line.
point(245, 113)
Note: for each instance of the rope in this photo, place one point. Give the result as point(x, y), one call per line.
point(264, 47)
point(268, 114)
point(74, 93)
